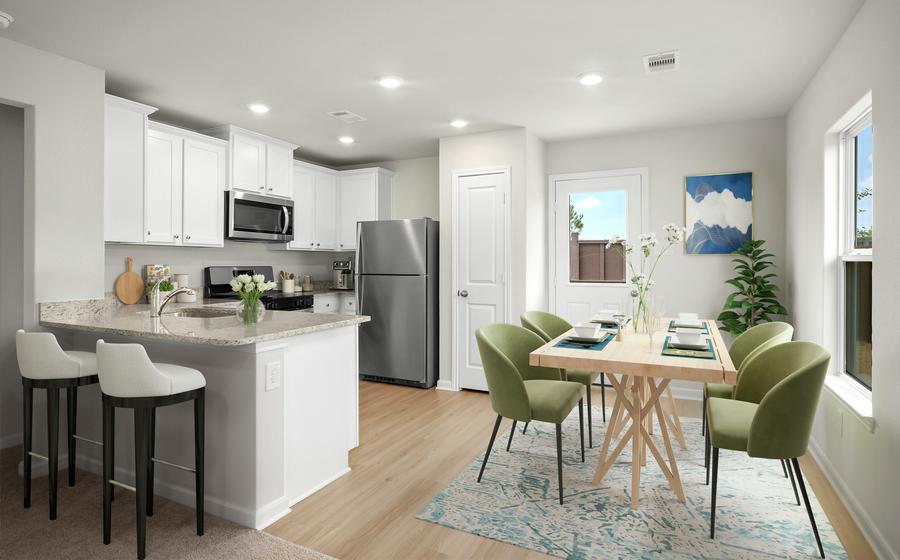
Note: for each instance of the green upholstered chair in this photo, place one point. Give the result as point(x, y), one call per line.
point(754, 338)
point(549, 326)
point(771, 413)
point(523, 392)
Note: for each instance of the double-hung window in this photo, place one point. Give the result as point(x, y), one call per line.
point(857, 227)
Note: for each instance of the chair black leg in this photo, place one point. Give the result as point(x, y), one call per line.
point(53, 445)
point(784, 468)
point(703, 424)
point(107, 471)
point(715, 477)
point(71, 419)
point(152, 445)
point(27, 407)
point(490, 445)
point(559, 460)
point(590, 417)
point(511, 432)
point(199, 451)
point(812, 520)
point(603, 394)
point(581, 423)
point(706, 456)
point(525, 427)
point(141, 457)
point(794, 485)
point(112, 451)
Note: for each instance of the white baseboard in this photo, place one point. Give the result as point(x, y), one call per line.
point(880, 546)
point(445, 385)
point(11, 440)
point(317, 487)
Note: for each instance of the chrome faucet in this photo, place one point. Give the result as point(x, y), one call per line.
point(157, 306)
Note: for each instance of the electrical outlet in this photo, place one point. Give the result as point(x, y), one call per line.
point(273, 376)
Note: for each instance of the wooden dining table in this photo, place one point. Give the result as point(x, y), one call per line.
point(641, 374)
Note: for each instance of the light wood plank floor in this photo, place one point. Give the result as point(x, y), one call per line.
point(412, 444)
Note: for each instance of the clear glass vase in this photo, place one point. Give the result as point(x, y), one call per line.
point(250, 312)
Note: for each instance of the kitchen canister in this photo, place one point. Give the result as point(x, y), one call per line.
point(287, 285)
point(183, 280)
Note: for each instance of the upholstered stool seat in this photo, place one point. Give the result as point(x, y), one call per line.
point(45, 365)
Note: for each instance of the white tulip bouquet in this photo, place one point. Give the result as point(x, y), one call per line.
point(250, 288)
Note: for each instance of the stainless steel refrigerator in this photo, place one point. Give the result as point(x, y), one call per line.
point(396, 285)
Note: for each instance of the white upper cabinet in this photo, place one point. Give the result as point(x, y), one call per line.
point(315, 204)
point(162, 192)
point(365, 195)
point(205, 176)
point(125, 137)
point(259, 163)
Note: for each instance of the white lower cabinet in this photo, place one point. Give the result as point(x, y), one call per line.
point(326, 303)
point(348, 303)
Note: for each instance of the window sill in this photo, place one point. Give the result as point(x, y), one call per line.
point(854, 398)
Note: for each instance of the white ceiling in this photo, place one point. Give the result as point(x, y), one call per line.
point(495, 63)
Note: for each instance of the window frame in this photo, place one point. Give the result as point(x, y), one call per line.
point(847, 250)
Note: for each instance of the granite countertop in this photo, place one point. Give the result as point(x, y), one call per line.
point(110, 316)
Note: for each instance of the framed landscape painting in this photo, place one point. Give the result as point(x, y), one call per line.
point(718, 212)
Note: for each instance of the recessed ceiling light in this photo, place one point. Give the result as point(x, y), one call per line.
point(458, 123)
point(390, 82)
point(346, 140)
point(590, 78)
point(258, 108)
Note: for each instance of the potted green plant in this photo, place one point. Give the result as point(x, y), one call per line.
point(165, 287)
point(754, 300)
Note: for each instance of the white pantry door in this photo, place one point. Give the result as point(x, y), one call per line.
point(589, 277)
point(481, 267)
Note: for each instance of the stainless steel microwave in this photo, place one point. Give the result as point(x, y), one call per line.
point(253, 217)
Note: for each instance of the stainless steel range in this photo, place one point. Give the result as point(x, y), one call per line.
point(216, 284)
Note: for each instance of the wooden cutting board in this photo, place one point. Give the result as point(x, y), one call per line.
point(129, 285)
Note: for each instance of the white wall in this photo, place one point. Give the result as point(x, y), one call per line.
point(12, 254)
point(536, 272)
point(63, 221)
point(861, 465)
point(670, 155)
point(414, 191)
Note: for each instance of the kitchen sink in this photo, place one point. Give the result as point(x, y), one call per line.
point(201, 313)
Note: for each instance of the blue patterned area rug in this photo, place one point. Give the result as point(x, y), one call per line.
point(517, 503)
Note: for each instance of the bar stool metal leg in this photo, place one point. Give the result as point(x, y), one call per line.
point(152, 445)
point(199, 445)
point(53, 445)
point(71, 420)
point(141, 458)
point(27, 406)
point(108, 436)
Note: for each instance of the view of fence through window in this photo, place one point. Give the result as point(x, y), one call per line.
point(595, 217)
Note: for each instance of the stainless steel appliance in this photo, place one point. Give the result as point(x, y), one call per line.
point(396, 285)
point(216, 281)
point(254, 217)
point(342, 275)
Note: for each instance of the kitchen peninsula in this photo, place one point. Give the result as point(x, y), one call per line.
point(281, 399)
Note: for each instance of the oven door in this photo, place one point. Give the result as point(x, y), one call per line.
point(252, 217)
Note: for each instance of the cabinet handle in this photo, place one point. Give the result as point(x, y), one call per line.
point(312, 244)
point(317, 244)
point(270, 188)
point(175, 236)
point(342, 244)
point(148, 232)
point(262, 188)
point(188, 237)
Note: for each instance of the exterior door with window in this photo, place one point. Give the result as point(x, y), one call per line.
point(589, 274)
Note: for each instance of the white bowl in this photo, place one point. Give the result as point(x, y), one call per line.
point(688, 317)
point(585, 331)
point(689, 336)
point(606, 315)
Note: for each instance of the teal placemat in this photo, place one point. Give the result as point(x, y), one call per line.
point(672, 327)
point(597, 346)
point(708, 354)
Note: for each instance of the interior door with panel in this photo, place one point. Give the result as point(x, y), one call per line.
point(304, 208)
point(481, 296)
point(589, 276)
point(248, 166)
point(162, 195)
point(205, 172)
point(326, 211)
point(279, 167)
point(358, 203)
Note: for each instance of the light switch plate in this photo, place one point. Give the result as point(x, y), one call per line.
point(273, 376)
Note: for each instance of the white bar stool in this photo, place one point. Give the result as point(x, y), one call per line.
point(128, 379)
point(45, 365)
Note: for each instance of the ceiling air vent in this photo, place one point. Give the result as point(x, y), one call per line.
point(661, 62)
point(347, 116)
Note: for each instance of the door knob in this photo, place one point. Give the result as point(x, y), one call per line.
point(462, 293)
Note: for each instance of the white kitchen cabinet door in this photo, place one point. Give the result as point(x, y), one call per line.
point(248, 165)
point(124, 141)
point(326, 303)
point(358, 202)
point(162, 194)
point(348, 303)
point(326, 211)
point(205, 175)
point(279, 169)
point(304, 209)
